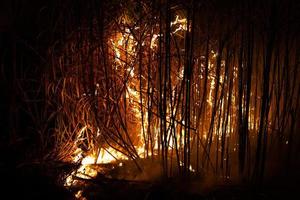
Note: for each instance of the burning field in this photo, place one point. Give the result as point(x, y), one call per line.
point(164, 99)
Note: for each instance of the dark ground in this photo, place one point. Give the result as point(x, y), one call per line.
point(33, 182)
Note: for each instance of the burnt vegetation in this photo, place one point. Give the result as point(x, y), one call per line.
point(167, 99)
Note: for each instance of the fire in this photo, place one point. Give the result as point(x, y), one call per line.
point(86, 171)
point(180, 24)
point(125, 48)
point(78, 195)
point(109, 155)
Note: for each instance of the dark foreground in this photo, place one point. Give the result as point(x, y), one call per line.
point(33, 182)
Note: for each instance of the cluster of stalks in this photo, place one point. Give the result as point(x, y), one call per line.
point(197, 85)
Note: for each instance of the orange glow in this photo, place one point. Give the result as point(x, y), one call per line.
point(125, 49)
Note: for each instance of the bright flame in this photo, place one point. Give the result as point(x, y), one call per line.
point(124, 48)
point(180, 24)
